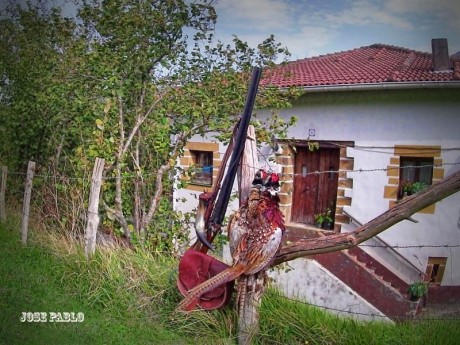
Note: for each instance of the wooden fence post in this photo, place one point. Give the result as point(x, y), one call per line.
point(252, 286)
point(93, 208)
point(2, 194)
point(248, 165)
point(26, 203)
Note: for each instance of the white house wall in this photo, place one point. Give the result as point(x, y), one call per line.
point(382, 128)
point(375, 130)
point(307, 280)
point(186, 200)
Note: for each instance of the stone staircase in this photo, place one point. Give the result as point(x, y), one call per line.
point(371, 280)
point(375, 267)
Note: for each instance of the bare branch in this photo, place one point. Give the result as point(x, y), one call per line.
point(137, 186)
point(119, 216)
point(121, 125)
point(139, 121)
point(118, 211)
point(156, 197)
point(407, 207)
point(142, 97)
point(159, 178)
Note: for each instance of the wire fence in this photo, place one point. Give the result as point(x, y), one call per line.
point(271, 166)
point(346, 310)
point(387, 246)
point(371, 315)
point(65, 178)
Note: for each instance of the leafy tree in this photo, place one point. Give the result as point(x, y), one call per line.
point(32, 50)
point(131, 82)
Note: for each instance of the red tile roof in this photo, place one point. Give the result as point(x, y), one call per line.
point(378, 63)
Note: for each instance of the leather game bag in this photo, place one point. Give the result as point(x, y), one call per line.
point(195, 268)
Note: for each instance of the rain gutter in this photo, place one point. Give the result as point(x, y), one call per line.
point(381, 86)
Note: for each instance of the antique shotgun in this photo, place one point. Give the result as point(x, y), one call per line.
point(215, 213)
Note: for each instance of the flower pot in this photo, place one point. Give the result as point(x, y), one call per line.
point(417, 290)
point(328, 225)
point(414, 298)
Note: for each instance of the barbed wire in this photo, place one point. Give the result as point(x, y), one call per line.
point(331, 308)
point(125, 176)
point(376, 149)
point(412, 246)
point(365, 170)
point(374, 315)
point(291, 237)
point(317, 173)
point(384, 245)
point(415, 148)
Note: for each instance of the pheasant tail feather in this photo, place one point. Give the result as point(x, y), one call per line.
point(191, 300)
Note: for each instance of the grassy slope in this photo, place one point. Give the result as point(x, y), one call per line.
point(34, 279)
point(128, 298)
point(314, 326)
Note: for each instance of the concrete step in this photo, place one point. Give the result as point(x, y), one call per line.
point(374, 289)
point(379, 270)
point(391, 284)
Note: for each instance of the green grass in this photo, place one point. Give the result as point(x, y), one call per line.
point(129, 297)
point(120, 294)
point(307, 325)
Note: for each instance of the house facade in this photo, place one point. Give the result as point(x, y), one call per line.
point(375, 124)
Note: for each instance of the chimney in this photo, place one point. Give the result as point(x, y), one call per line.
point(440, 54)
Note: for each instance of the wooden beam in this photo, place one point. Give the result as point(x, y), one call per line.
point(403, 210)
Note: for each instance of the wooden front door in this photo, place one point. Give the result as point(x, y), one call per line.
point(314, 193)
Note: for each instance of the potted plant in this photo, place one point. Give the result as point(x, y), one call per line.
point(319, 220)
point(409, 188)
point(324, 220)
point(405, 189)
point(417, 290)
point(417, 187)
point(328, 223)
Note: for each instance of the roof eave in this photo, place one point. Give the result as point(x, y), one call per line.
point(381, 86)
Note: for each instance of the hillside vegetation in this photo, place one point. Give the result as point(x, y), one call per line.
point(128, 298)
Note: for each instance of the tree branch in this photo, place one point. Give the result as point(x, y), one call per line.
point(137, 188)
point(118, 211)
point(406, 207)
point(156, 197)
point(139, 121)
point(180, 142)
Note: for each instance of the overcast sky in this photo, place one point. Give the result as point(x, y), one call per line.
point(314, 27)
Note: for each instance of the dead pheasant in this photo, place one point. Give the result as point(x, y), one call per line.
point(255, 232)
